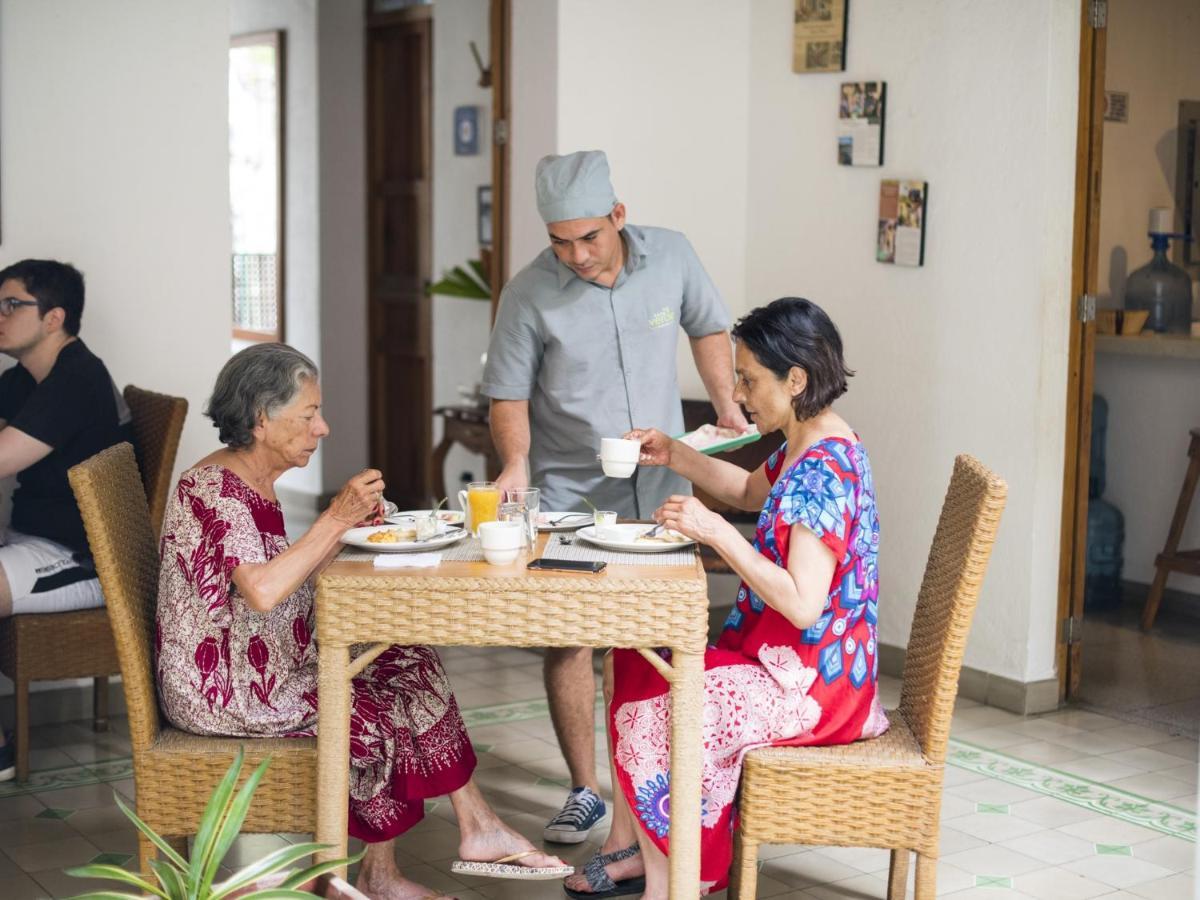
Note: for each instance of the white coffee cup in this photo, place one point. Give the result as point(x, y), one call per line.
point(619, 457)
point(502, 541)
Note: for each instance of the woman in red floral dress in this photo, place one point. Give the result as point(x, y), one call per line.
point(796, 663)
point(235, 648)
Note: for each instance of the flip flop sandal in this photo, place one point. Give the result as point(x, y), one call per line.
point(502, 868)
point(601, 882)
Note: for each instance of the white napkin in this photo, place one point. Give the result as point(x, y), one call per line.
point(407, 560)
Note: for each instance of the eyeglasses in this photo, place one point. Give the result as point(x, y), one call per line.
point(10, 304)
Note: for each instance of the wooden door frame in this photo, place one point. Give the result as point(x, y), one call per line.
point(500, 34)
point(1082, 352)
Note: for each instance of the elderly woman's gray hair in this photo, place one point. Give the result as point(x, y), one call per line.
point(260, 379)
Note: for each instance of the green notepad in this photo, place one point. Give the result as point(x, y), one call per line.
point(725, 446)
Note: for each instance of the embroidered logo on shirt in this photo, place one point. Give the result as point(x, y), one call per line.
point(664, 316)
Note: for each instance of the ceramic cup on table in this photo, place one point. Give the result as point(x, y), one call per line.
point(619, 457)
point(502, 541)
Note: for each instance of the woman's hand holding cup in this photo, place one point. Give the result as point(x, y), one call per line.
point(656, 446)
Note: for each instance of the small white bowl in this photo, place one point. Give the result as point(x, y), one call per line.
point(502, 541)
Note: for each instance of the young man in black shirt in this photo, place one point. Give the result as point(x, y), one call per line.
point(58, 407)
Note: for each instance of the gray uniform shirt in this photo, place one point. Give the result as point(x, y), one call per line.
point(595, 362)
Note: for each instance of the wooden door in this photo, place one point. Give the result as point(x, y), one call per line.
point(1084, 280)
point(399, 151)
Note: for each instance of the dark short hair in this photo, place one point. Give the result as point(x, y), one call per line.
point(53, 284)
point(792, 331)
point(262, 379)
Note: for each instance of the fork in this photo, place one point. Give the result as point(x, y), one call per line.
point(565, 517)
point(653, 531)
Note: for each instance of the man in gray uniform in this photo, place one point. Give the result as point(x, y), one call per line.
point(584, 348)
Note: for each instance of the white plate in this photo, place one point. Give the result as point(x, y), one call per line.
point(628, 542)
point(357, 537)
point(566, 521)
point(449, 516)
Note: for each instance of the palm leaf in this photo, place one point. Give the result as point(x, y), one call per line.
point(105, 895)
point(480, 273)
point(171, 879)
point(150, 833)
point(210, 821)
point(272, 862)
point(271, 893)
point(114, 873)
point(232, 824)
point(321, 868)
point(456, 282)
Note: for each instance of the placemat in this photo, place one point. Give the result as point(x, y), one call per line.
point(467, 550)
point(581, 549)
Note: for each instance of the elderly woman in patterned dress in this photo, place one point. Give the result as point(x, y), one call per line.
point(235, 647)
point(796, 662)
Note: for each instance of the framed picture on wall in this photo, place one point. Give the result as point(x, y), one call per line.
point(819, 36)
point(860, 123)
point(900, 234)
point(483, 214)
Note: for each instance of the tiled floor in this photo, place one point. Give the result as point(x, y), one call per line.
point(1072, 804)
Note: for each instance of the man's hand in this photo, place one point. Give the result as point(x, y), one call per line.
point(515, 477)
point(733, 418)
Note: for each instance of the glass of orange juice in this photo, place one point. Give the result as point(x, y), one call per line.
point(483, 503)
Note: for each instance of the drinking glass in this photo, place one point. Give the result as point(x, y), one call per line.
point(530, 501)
point(483, 499)
point(514, 512)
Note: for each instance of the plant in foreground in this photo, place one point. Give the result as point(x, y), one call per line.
point(180, 879)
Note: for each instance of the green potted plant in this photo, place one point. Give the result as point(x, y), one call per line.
point(180, 879)
point(471, 283)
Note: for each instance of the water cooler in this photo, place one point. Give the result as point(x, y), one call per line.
point(1159, 287)
point(1105, 525)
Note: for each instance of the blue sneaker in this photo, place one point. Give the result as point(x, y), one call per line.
point(8, 760)
point(579, 815)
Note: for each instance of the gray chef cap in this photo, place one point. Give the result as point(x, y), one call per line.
point(575, 186)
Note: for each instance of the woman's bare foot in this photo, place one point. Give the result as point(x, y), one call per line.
point(380, 886)
point(497, 841)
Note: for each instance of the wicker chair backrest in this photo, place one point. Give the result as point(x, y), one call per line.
point(112, 502)
point(157, 425)
point(954, 573)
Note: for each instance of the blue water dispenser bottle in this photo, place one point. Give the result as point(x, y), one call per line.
point(1159, 287)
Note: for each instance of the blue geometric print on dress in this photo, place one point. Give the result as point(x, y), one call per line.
point(873, 612)
point(852, 591)
point(814, 632)
point(756, 603)
point(654, 804)
point(818, 499)
point(830, 664)
point(733, 620)
point(858, 671)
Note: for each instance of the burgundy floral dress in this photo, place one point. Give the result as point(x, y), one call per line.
point(766, 682)
point(225, 669)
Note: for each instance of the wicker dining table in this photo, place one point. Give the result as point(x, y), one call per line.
point(479, 605)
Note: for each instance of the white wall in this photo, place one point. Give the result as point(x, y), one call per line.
point(534, 132)
point(968, 353)
point(1152, 402)
point(301, 257)
point(342, 156)
point(662, 88)
point(116, 158)
point(460, 327)
point(711, 132)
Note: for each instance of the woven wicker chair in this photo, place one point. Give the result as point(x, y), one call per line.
point(79, 644)
point(886, 792)
point(174, 772)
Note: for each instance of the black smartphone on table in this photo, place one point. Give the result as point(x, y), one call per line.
point(567, 565)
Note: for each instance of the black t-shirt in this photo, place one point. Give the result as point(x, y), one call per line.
point(77, 411)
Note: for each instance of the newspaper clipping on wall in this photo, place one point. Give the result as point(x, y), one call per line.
point(860, 123)
point(901, 229)
point(820, 36)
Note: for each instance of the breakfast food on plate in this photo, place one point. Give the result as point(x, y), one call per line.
point(392, 536)
point(709, 436)
point(666, 536)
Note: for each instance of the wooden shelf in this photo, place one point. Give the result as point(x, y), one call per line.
point(1164, 346)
